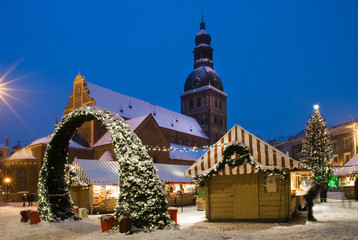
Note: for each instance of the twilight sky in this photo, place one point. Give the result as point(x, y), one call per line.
point(276, 58)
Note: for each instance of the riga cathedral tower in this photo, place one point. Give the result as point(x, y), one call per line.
point(204, 98)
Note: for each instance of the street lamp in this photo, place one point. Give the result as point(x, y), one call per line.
point(7, 181)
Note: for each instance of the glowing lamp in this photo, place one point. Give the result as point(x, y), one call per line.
point(7, 180)
point(316, 107)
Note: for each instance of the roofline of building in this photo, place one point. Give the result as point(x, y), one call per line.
point(203, 89)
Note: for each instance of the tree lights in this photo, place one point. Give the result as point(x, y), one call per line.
point(316, 145)
point(140, 192)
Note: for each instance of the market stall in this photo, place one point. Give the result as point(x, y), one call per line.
point(347, 177)
point(245, 179)
point(301, 181)
point(177, 189)
point(101, 177)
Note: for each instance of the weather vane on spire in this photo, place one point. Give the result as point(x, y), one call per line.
point(202, 24)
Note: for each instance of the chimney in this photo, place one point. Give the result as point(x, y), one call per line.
point(7, 142)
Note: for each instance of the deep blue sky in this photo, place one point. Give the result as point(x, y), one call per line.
point(276, 58)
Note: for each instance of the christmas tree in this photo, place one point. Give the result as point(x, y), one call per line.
point(317, 146)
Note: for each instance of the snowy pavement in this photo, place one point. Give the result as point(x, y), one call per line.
point(337, 219)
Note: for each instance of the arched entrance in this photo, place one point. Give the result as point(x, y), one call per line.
point(140, 192)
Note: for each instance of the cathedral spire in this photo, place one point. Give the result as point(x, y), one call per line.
point(202, 24)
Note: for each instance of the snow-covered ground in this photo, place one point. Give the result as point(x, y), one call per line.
point(337, 219)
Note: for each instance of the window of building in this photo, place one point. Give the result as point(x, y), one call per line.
point(220, 105)
point(215, 120)
point(216, 103)
point(191, 104)
point(1, 154)
point(198, 101)
point(168, 138)
point(334, 145)
point(335, 158)
point(184, 141)
point(347, 157)
point(22, 179)
point(346, 142)
point(221, 122)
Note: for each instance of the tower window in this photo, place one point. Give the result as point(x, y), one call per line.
point(198, 101)
point(191, 104)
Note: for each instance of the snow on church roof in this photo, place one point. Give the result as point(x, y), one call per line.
point(130, 107)
point(23, 153)
point(106, 156)
point(46, 140)
point(264, 155)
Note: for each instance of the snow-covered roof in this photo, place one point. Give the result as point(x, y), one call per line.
point(46, 140)
point(185, 152)
point(350, 168)
point(135, 122)
point(129, 107)
point(264, 155)
point(106, 172)
point(97, 172)
point(105, 139)
point(106, 156)
point(24, 153)
point(3, 146)
point(170, 173)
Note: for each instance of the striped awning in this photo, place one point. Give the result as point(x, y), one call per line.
point(263, 155)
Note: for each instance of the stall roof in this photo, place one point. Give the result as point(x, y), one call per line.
point(264, 155)
point(99, 172)
point(170, 173)
point(350, 168)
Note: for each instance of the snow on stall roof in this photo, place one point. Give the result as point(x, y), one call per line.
point(24, 153)
point(46, 140)
point(350, 167)
point(185, 154)
point(130, 107)
point(100, 172)
point(106, 172)
point(3, 146)
point(106, 156)
point(172, 173)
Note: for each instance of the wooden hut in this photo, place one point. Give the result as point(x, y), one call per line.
point(245, 179)
point(348, 177)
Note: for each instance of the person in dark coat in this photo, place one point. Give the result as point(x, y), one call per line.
point(29, 199)
point(309, 196)
point(24, 199)
point(324, 189)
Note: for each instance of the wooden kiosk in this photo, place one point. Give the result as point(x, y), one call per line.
point(258, 189)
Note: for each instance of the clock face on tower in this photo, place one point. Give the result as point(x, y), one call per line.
point(195, 82)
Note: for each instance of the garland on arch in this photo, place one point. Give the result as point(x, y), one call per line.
point(244, 157)
point(140, 191)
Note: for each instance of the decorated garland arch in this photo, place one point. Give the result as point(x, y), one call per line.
point(243, 157)
point(140, 192)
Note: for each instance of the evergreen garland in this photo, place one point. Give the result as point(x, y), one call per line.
point(316, 146)
point(140, 192)
point(244, 157)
